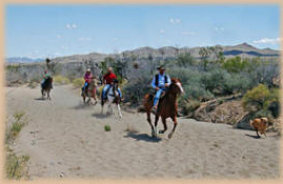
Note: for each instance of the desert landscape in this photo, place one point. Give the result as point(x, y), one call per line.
point(65, 138)
point(215, 69)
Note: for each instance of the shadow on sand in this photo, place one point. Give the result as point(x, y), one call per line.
point(253, 136)
point(40, 99)
point(82, 106)
point(100, 116)
point(142, 137)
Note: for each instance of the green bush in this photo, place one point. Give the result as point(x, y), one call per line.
point(107, 128)
point(259, 100)
point(78, 82)
point(59, 79)
point(236, 64)
point(16, 166)
point(19, 122)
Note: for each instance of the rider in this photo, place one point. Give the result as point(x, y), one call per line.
point(108, 80)
point(87, 78)
point(160, 82)
point(45, 76)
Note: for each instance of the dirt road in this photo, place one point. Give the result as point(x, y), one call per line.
point(65, 138)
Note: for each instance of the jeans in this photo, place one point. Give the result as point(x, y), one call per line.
point(157, 95)
point(85, 85)
point(106, 89)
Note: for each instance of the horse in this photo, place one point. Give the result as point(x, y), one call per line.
point(90, 92)
point(46, 88)
point(167, 107)
point(112, 97)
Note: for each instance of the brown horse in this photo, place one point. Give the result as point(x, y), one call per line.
point(167, 107)
point(90, 92)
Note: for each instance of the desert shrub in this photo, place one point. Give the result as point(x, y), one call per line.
point(215, 80)
point(17, 125)
point(189, 106)
point(137, 87)
point(184, 60)
point(78, 82)
point(59, 79)
point(260, 99)
point(16, 166)
point(237, 83)
point(197, 92)
point(236, 64)
point(107, 128)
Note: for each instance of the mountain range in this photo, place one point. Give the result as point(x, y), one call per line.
point(244, 50)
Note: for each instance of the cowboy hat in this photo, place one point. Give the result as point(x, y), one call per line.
point(160, 67)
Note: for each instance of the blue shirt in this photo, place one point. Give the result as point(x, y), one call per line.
point(161, 81)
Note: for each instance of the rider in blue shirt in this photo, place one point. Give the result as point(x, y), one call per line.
point(160, 82)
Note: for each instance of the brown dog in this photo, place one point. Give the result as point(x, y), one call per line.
point(260, 125)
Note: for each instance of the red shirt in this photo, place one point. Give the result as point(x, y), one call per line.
point(109, 77)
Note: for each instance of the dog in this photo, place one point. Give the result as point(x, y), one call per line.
point(260, 125)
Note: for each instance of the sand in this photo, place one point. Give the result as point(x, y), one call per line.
point(65, 138)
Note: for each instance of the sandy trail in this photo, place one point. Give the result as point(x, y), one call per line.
point(64, 137)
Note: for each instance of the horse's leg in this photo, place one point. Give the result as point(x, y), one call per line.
point(164, 124)
point(257, 133)
point(175, 125)
point(89, 98)
point(119, 110)
point(42, 94)
point(94, 96)
point(83, 97)
point(155, 124)
point(102, 105)
point(149, 121)
point(48, 94)
point(109, 109)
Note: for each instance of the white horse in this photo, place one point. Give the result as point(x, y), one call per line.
point(112, 97)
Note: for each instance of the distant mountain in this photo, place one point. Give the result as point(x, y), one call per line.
point(243, 50)
point(23, 60)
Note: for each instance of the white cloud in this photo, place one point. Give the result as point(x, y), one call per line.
point(68, 26)
point(175, 21)
point(162, 31)
point(84, 39)
point(267, 41)
point(71, 26)
point(218, 29)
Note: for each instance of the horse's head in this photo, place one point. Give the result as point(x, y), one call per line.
point(176, 86)
point(115, 84)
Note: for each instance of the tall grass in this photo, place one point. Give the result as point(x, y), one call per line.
point(15, 166)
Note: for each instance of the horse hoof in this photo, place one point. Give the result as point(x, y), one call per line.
point(161, 131)
point(170, 136)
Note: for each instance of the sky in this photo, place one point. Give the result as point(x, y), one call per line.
point(39, 31)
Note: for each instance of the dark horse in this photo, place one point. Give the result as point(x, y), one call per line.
point(112, 97)
point(167, 107)
point(46, 87)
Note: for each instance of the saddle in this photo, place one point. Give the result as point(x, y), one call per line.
point(108, 90)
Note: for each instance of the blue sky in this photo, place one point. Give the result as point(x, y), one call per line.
point(39, 31)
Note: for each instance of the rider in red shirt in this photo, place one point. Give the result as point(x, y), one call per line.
point(108, 79)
